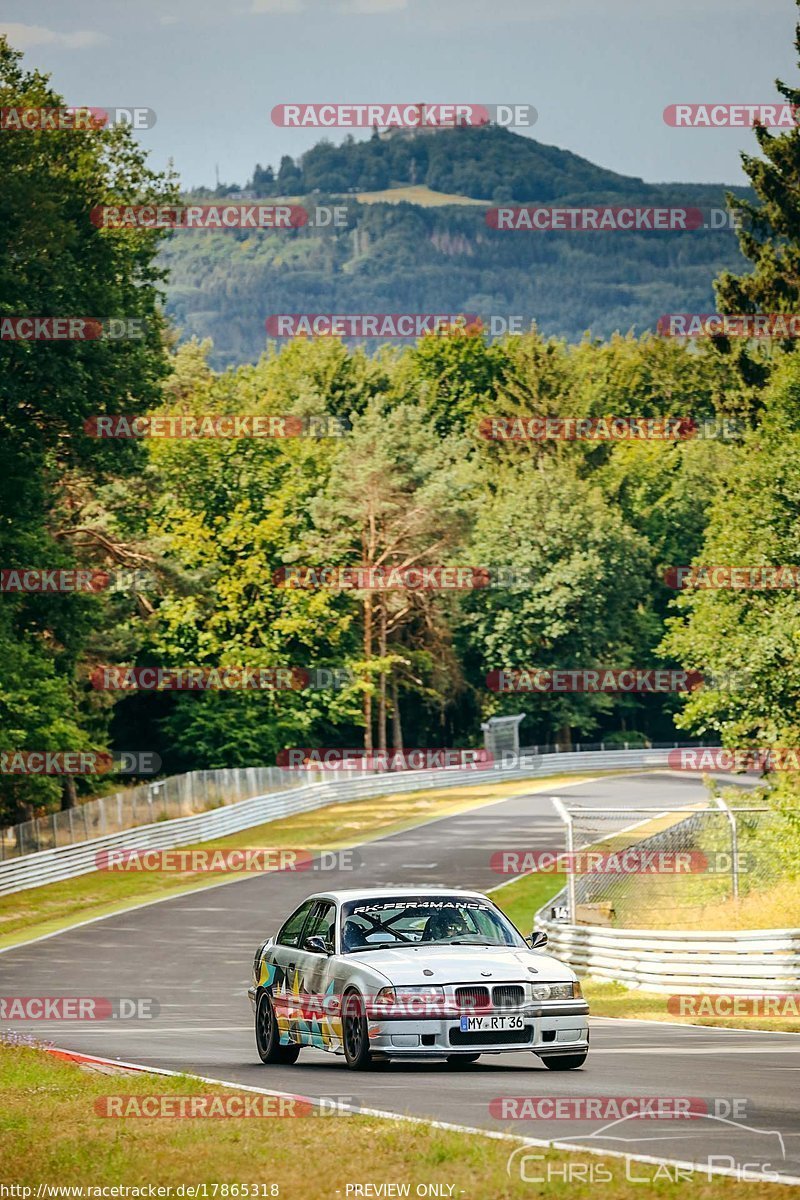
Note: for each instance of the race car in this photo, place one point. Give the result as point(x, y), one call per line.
point(387, 973)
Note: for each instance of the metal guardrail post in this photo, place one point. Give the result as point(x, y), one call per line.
point(558, 805)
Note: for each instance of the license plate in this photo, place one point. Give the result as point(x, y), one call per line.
point(489, 1024)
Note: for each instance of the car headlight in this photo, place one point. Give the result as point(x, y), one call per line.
point(413, 1001)
point(424, 989)
point(557, 991)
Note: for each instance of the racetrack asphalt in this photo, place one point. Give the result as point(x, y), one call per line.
point(193, 954)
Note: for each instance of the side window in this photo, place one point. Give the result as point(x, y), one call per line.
point(290, 933)
point(322, 923)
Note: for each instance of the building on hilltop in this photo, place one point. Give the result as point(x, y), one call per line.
point(421, 126)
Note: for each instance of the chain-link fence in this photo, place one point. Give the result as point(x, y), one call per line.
point(635, 742)
point(160, 800)
point(662, 868)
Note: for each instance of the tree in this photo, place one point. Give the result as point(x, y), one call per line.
point(769, 235)
point(263, 180)
point(55, 262)
point(290, 177)
point(397, 497)
point(581, 603)
point(748, 638)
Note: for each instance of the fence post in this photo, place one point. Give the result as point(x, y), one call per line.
point(567, 819)
point(734, 847)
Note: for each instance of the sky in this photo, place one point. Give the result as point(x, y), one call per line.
point(598, 72)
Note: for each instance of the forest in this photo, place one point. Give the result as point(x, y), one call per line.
point(384, 462)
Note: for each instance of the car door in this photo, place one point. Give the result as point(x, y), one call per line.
point(314, 970)
point(284, 984)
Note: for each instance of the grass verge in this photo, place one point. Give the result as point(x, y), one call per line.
point(54, 906)
point(608, 999)
point(51, 1133)
point(523, 898)
point(773, 907)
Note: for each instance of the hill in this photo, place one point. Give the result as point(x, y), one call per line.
point(417, 240)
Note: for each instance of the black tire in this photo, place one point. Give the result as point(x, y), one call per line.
point(355, 1038)
point(268, 1042)
point(461, 1060)
point(564, 1062)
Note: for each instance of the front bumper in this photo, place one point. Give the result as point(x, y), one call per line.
point(560, 1029)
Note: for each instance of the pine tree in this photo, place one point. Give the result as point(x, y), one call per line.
point(769, 233)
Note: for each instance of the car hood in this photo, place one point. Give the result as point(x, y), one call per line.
point(463, 964)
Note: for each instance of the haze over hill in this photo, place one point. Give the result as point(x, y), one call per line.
point(428, 256)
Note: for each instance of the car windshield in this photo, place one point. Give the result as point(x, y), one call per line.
point(424, 920)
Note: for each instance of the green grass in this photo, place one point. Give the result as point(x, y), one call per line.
point(609, 999)
point(50, 1133)
point(521, 900)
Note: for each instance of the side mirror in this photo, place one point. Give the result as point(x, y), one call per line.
point(316, 944)
point(537, 940)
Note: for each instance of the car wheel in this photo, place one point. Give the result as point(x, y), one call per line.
point(461, 1060)
point(563, 1062)
point(355, 1039)
point(268, 1038)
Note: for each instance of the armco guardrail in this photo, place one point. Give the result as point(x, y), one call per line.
point(669, 960)
point(65, 862)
